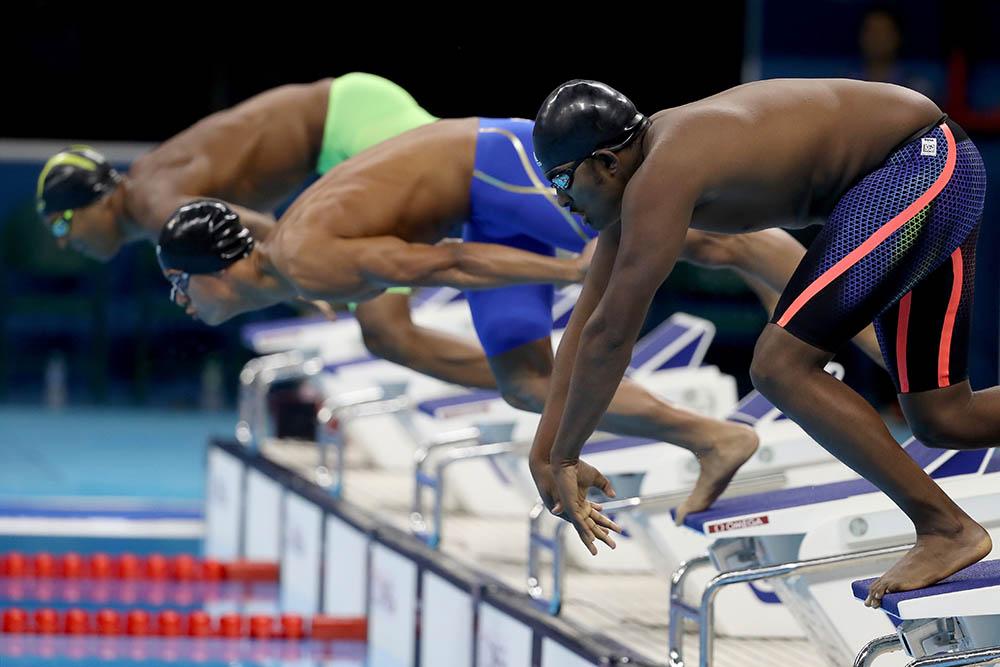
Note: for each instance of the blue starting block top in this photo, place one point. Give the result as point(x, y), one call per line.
point(616, 444)
point(984, 575)
point(354, 361)
point(668, 333)
point(432, 406)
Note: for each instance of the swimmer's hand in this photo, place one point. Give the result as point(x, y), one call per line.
point(324, 307)
point(564, 486)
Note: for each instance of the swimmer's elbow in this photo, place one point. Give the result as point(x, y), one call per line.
point(412, 269)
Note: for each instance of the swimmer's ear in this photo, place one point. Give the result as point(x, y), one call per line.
point(608, 159)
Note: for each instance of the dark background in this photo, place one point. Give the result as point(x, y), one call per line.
point(78, 74)
point(138, 72)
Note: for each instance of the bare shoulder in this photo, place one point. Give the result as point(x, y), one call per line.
point(175, 166)
point(292, 238)
point(681, 154)
point(306, 251)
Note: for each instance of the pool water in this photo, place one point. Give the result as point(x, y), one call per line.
point(65, 464)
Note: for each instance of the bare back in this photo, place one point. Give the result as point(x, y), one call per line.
point(255, 154)
point(776, 153)
point(414, 187)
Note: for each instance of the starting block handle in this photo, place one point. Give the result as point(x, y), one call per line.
point(330, 420)
point(432, 534)
point(256, 379)
point(539, 542)
point(423, 480)
point(875, 648)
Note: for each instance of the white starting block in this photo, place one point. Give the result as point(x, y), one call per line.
point(955, 622)
point(811, 542)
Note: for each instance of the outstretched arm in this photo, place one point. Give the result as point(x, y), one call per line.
point(555, 402)
point(652, 237)
point(590, 296)
point(389, 261)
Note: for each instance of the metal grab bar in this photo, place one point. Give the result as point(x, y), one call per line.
point(256, 379)
point(335, 411)
point(432, 534)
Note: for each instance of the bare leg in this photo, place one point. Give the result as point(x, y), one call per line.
point(954, 417)
point(390, 333)
point(766, 261)
point(790, 373)
point(721, 447)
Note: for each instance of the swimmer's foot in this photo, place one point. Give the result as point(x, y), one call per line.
point(939, 552)
point(718, 465)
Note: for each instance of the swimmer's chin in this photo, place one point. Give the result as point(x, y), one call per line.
point(102, 255)
point(598, 225)
point(211, 319)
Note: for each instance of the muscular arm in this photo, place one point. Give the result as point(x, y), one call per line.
point(358, 269)
point(391, 261)
point(593, 289)
point(652, 237)
point(391, 334)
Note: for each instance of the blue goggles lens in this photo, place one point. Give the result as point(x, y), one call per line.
point(60, 226)
point(562, 180)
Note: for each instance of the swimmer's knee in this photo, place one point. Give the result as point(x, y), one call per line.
point(776, 364)
point(933, 433)
point(384, 341)
point(766, 374)
point(939, 428)
point(524, 394)
point(940, 418)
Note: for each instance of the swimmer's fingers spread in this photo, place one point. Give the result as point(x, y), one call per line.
point(600, 533)
point(604, 521)
point(586, 534)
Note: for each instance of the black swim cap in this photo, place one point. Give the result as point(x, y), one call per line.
point(73, 178)
point(204, 236)
point(580, 117)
